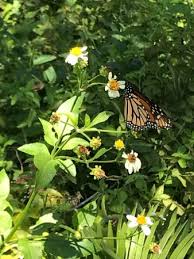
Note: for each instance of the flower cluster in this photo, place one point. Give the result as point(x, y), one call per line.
point(113, 86)
point(143, 222)
point(132, 162)
point(82, 151)
point(76, 54)
point(98, 173)
point(119, 144)
point(95, 143)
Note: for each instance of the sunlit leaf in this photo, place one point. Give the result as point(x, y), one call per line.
point(43, 59)
point(4, 185)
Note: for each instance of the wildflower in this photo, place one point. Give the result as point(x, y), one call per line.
point(95, 142)
point(75, 54)
point(82, 151)
point(133, 163)
point(98, 173)
point(113, 86)
point(142, 221)
point(155, 248)
point(55, 117)
point(119, 144)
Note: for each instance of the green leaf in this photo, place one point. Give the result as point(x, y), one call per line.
point(68, 166)
point(50, 75)
point(177, 174)
point(49, 134)
point(4, 185)
point(101, 117)
point(72, 105)
point(33, 148)
point(100, 153)
point(46, 174)
point(31, 249)
point(60, 247)
point(87, 120)
point(43, 59)
point(46, 218)
point(170, 241)
point(74, 142)
point(182, 163)
point(5, 223)
point(42, 158)
point(4, 204)
point(86, 216)
point(183, 246)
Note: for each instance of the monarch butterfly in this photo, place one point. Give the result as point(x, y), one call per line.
point(141, 113)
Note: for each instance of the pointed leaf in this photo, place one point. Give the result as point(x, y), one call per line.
point(68, 166)
point(100, 153)
point(46, 174)
point(101, 117)
point(49, 134)
point(4, 185)
point(31, 249)
point(33, 148)
point(50, 75)
point(74, 142)
point(43, 59)
point(5, 223)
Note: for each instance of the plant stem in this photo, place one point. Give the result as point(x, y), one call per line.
point(21, 216)
point(101, 130)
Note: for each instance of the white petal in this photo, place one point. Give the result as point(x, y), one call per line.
point(124, 155)
point(135, 154)
point(115, 77)
point(84, 48)
point(137, 165)
point(149, 221)
point(121, 84)
point(110, 76)
point(132, 224)
point(129, 167)
point(131, 217)
point(71, 59)
point(106, 87)
point(146, 230)
point(113, 94)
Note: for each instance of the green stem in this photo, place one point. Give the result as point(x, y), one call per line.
point(55, 151)
point(64, 143)
point(21, 216)
point(93, 78)
point(88, 161)
point(68, 229)
point(101, 130)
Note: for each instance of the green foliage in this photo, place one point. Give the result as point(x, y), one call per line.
point(149, 43)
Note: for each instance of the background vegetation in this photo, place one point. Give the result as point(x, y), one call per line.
point(150, 43)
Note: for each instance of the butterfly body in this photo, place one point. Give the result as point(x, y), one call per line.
point(141, 113)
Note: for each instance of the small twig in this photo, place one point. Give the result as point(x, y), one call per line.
point(85, 201)
point(20, 161)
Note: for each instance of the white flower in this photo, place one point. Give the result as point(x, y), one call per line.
point(142, 221)
point(113, 86)
point(133, 163)
point(75, 54)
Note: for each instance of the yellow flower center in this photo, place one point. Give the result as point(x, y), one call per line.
point(98, 173)
point(119, 144)
point(114, 85)
point(95, 142)
point(77, 51)
point(141, 220)
point(131, 158)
